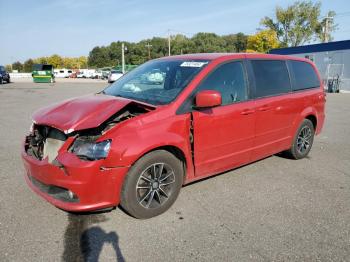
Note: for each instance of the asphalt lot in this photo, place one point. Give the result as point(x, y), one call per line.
point(272, 210)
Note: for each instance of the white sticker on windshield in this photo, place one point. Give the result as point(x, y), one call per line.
point(193, 64)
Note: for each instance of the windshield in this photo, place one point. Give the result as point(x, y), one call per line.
point(157, 82)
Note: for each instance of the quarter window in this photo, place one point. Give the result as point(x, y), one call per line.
point(271, 77)
point(229, 80)
point(304, 75)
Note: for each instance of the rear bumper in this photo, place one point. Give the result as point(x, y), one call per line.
point(94, 186)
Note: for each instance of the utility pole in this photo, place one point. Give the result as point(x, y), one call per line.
point(123, 58)
point(326, 28)
point(169, 44)
point(149, 50)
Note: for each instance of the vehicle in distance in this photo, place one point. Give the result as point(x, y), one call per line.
point(4, 75)
point(114, 75)
point(136, 143)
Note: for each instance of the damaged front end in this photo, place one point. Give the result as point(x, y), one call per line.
point(46, 141)
point(64, 168)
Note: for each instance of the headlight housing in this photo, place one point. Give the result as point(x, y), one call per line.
point(91, 150)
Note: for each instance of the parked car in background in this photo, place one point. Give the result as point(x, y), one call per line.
point(105, 74)
point(4, 75)
point(97, 74)
point(114, 75)
point(86, 73)
point(73, 75)
point(136, 143)
point(81, 75)
point(62, 73)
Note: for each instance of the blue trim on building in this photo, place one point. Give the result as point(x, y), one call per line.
point(324, 47)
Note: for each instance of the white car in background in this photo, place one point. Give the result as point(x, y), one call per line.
point(114, 76)
point(63, 73)
point(86, 74)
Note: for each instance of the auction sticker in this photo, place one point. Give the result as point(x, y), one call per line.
point(193, 64)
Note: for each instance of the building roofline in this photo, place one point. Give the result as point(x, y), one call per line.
point(315, 48)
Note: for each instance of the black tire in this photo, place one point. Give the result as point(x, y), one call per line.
point(303, 140)
point(142, 175)
point(8, 80)
point(0, 80)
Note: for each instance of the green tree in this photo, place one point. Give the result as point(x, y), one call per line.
point(28, 65)
point(297, 24)
point(17, 66)
point(138, 53)
point(262, 41)
point(99, 57)
point(235, 42)
point(208, 43)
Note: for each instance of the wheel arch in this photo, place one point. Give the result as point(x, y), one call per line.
point(174, 150)
point(313, 120)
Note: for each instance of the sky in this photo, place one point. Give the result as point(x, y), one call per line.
point(35, 28)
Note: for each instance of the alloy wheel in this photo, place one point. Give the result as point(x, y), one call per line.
point(155, 185)
point(304, 139)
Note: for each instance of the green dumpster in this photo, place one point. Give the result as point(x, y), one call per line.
point(43, 73)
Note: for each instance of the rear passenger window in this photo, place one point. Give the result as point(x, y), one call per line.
point(271, 77)
point(229, 80)
point(304, 75)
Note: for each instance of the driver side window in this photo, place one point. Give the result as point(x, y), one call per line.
point(229, 80)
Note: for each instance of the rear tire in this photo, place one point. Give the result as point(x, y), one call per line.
point(152, 184)
point(303, 140)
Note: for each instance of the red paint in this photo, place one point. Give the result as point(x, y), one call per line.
point(225, 137)
point(80, 113)
point(208, 98)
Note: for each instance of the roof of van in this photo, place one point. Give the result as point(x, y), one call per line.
point(213, 56)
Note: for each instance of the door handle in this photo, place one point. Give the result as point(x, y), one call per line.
point(264, 108)
point(247, 111)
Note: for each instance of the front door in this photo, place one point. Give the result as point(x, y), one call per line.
point(223, 135)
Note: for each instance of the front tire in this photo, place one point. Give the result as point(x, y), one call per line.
point(152, 184)
point(303, 140)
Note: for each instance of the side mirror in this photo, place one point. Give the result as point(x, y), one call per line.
point(208, 98)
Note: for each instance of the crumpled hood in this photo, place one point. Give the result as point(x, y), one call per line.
point(80, 113)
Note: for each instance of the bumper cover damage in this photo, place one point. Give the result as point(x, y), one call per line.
point(66, 180)
point(74, 185)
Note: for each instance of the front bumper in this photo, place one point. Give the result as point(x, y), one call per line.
point(94, 186)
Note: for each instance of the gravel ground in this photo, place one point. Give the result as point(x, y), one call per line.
point(273, 210)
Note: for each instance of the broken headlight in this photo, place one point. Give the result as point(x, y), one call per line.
point(91, 150)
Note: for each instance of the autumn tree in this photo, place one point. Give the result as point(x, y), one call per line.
point(56, 61)
point(262, 41)
point(297, 24)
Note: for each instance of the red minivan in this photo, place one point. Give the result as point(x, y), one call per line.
point(167, 123)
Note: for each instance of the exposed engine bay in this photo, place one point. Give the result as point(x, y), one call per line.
point(45, 141)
